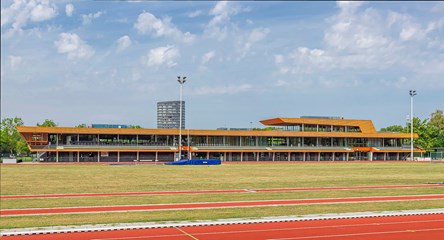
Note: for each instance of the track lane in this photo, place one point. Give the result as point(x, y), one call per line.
point(73, 195)
point(408, 227)
point(209, 205)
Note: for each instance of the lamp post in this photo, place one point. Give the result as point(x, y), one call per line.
point(412, 94)
point(181, 81)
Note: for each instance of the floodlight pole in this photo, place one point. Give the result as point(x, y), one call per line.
point(412, 94)
point(181, 81)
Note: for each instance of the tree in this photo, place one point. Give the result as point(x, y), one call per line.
point(430, 132)
point(393, 128)
point(427, 134)
point(47, 123)
point(135, 126)
point(11, 141)
point(81, 125)
point(437, 121)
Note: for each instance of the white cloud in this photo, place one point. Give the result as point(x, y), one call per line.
point(123, 43)
point(360, 39)
point(162, 55)
point(69, 9)
point(42, 12)
point(253, 37)
point(222, 12)
point(20, 12)
point(73, 46)
point(194, 14)
point(87, 18)
point(208, 56)
point(148, 24)
point(222, 90)
point(351, 31)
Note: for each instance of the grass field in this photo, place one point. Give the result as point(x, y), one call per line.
point(50, 179)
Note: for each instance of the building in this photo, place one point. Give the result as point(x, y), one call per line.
point(288, 139)
point(168, 114)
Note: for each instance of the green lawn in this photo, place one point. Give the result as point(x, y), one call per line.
point(46, 179)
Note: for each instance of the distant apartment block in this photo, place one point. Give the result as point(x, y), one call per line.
point(168, 114)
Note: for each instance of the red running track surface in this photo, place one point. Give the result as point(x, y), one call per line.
point(157, 207)
point(416, 227)
point(70, 195)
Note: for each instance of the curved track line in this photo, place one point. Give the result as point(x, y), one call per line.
point(71, 195)
point(208, 205)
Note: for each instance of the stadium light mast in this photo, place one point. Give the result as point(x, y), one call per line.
point(412, 94)
point(181, 81)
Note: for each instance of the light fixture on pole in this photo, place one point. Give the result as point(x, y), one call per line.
point(412, 94)
point(181, 81)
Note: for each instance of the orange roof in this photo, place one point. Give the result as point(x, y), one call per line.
point(366, 126)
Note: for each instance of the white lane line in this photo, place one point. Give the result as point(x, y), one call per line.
point(276, 229)
point(360, 234)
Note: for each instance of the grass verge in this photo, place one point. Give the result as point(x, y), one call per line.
point(210, 214)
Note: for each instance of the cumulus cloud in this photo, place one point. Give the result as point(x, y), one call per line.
point(358, 39)
point(123, 43)
point(219, 24)
point(69, 9)
point(161, 56)
point(19, 13)
point(87, 18)
point(148, 24)
point(73, 46)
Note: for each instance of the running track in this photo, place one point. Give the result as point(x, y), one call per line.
point(208, 205)
point(70, 195)
point(414, 227)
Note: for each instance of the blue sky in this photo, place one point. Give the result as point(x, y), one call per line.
point(112, 61)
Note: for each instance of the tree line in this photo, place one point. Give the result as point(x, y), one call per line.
point(430, 132)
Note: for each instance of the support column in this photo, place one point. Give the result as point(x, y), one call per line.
point(242, 156)
point(397, 156)
point(257, 156)
point(303, 156)
point(347, 155)
point(225, 156)
point(208, 155)
point(319, 156)
point(157, 156)
point(289, 156)
point(137, 156)
point(57, 156)
point(98, 156)
point(78, 156)
point(333, 156)
point(118, 156)
point(272, 156)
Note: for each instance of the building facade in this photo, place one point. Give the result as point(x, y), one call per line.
point(290, 139)
point(168, 114)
